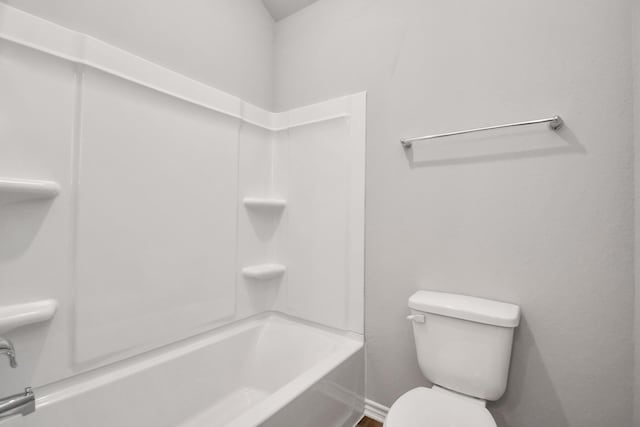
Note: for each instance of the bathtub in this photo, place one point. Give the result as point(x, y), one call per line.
point(270, 370)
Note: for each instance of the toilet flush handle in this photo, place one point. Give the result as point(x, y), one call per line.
point(418, 318)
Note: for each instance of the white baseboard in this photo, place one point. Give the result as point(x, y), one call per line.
point(375, 411)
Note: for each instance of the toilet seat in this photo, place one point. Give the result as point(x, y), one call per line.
point(437, 407)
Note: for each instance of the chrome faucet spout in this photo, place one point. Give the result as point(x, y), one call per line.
point(18, 404)
point(6, 347)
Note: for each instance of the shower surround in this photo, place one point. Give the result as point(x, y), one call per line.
point(194, 236)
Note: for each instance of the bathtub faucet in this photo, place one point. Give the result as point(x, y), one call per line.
point(6, 347)
point(21, 403)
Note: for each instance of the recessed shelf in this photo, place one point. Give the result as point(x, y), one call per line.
point(264, 271)
point(14, 316)
point(16, 190)
point(262, 203)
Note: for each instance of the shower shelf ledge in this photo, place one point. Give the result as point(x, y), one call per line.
point(260, 203)
point(17, 190)
point(17, 315)
point(264, 271)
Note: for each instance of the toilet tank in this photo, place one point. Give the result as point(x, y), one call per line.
point(464, 343)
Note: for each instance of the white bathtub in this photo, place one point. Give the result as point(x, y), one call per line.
point(268, 371)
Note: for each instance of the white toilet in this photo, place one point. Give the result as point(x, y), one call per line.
point(464, 349)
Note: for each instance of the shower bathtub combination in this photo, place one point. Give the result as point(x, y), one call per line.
point(177, 255)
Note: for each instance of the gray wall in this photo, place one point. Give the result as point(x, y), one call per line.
point(227, 44)
point(549, 228)
point(636, 108)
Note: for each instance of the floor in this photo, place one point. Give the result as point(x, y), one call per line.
point(368, 422)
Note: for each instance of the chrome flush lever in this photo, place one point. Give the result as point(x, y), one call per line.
point(418, 318)
point(6, 347)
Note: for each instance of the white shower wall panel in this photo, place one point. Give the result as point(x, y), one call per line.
point(259, 230)
point(36, 113)
point(156, 230)
point(320, 166)
point(317, 246)
point(145, 242)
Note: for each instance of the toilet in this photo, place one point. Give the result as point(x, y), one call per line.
point(464, 349)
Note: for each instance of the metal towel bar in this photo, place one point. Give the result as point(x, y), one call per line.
point(555, 123)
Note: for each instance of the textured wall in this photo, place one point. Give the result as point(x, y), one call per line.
point(226, 44)
point(531, 217)
point(636, 107)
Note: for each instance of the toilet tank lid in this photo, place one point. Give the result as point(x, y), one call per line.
point(465, 307)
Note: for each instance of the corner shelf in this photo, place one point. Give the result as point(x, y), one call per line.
point(264, 271)
point(17, 190)
point(264, 203)
point(14, 316)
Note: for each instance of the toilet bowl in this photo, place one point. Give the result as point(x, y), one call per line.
point(437, 407)
point(463, 345)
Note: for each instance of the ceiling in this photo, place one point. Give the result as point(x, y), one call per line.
point(280, 9)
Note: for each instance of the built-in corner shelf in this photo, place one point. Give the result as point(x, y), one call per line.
point(16, 190)
point(14, 316)
point(264, 203)
point(264, 271)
